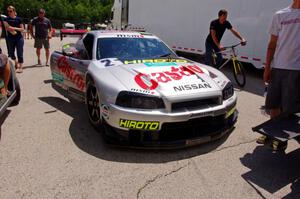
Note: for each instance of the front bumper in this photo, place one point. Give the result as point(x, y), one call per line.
point(174, 134)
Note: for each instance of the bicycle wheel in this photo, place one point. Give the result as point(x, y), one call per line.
point(239, 73)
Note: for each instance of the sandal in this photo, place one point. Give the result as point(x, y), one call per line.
point(279, 145)
point(262, 139)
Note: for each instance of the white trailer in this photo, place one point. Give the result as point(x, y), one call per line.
point(184, 25)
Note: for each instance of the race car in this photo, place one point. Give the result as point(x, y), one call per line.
point(139, 93)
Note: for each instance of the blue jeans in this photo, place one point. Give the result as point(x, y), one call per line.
point(15, 43)
point(208, 55)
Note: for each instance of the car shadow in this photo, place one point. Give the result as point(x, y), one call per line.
point(90, 141)
point(33, 66)
point(273, 171)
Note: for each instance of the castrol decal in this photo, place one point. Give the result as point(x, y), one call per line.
point(150, 79)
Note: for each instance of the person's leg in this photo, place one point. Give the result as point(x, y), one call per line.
point(47, 56)
point(38, 46)
point(5, 72)
point(47, 51)
point(208, 54)
point(11, 50)
point(219, 57)
point(20, 47)
point(273, 100)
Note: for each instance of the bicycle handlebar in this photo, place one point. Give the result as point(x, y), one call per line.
point(233, 46)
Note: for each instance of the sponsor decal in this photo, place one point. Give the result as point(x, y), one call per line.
point(105, 111)
point(151, 81)
point(143, 61)
point(110, 62)
point(139, 125)
point(70, 72)
point(161, 64)
point(229, 113)
point(130, 36)
point(188, 87)
point(141, 91)
point(57, 77)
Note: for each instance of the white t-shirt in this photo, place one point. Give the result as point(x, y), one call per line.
point(286, 25)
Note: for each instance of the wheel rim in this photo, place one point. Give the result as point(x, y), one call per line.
point(93, 104)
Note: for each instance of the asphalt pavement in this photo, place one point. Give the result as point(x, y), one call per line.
point(48, 149)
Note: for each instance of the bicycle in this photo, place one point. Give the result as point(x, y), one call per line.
point(237, 67)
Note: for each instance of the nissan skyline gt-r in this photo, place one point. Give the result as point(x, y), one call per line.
point(141, 94)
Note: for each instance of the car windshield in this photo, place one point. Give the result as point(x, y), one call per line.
point(132, 48)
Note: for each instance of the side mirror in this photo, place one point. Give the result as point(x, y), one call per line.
point(69, 49)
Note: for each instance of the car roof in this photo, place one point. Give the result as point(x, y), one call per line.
point(121, 34)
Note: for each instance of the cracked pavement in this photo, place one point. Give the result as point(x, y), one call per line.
point(49, 150)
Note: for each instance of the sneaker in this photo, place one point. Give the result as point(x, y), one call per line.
point(39, 62)
point(279, 145)
point(262, 139)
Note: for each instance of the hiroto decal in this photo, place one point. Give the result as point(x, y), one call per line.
point(139, 125)
point(188, 87)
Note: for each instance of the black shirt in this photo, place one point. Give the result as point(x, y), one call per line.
point(219, 28)
point(42, 25)
point(14, 22)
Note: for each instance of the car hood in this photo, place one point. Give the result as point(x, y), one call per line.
point(169, 78)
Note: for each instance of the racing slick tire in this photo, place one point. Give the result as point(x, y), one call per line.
point(92, 102)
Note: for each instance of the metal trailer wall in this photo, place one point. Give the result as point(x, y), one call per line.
point(184, 25)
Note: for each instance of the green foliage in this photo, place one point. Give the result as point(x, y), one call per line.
point(58, 11)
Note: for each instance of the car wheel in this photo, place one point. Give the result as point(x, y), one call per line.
point(92, 101)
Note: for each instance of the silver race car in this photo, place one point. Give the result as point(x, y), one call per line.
point(141, 93)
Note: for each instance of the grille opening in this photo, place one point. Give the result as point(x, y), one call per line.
point(196, 104)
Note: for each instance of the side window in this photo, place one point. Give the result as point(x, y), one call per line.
point(88, 42)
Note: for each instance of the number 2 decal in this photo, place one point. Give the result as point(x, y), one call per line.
point(107, 62)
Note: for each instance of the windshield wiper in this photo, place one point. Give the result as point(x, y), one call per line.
point(167, 55)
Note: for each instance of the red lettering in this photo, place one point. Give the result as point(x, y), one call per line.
point(161, 78)
point(173, 74)
point(139, 80)
point(195, 68)
point(166, 76)
point(70, 72)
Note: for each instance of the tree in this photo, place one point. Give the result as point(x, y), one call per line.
point(95, 11)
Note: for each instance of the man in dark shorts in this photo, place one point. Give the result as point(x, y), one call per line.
point(43, 30)
point(282, 69)
point(216, 31)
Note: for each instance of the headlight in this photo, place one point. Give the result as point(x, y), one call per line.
point(137, 100)
point(228, 91)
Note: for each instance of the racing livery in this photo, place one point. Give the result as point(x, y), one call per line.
point(141, 93)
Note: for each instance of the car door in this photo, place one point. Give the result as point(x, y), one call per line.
point(79, 63)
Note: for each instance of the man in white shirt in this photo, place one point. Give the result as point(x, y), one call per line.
point(282, 70)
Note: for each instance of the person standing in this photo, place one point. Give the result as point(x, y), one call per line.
point(213, 40)
point(15, 40)
point(43, 30)
point(282, 69)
